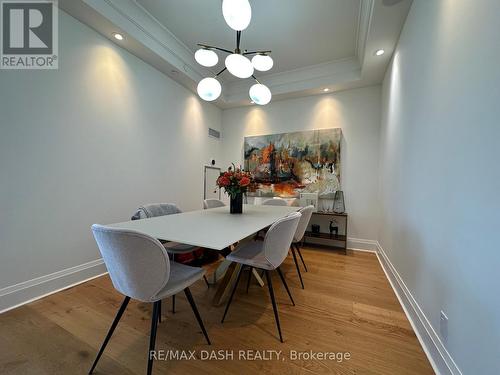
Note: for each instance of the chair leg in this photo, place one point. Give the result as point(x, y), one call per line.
point(189, 296)
point(297, 266)
point(159, 311)
point(173, 297)
point(206, 281)
point(152, 338)
point(275, 308)
point(110, 332)
point(249, 278)
point(300, 255)
point(286, 285)
point(232, 294)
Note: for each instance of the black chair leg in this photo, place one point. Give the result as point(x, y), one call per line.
point(232, 294)
point(152, 338)
point(173, 304)
point(249, 278)
point(286, 285)
point(189, 296)
point(297, 266)
point(110, 332)
point(159, 311)
point(206, 281)
point(275, 308)
point(300, 255)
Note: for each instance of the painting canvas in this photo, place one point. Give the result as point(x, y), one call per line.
point(290, 163)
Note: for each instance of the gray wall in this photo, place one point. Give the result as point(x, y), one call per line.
point(357, 112)
point(89, 143)
point(440, 178)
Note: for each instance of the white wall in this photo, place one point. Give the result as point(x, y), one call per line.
point(440, 174)
point(357, 112)
point(89, 143)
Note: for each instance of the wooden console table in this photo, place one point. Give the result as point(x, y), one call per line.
point(335, 241)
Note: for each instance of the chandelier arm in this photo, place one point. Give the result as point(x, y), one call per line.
point(222, 71)
point(213, 47)
point(256, 52)
point(256, 80)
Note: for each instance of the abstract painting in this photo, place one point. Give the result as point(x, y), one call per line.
point(287, 164)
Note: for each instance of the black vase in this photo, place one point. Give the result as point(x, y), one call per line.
point(236, 204)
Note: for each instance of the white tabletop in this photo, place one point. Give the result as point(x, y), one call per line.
point(215, 228)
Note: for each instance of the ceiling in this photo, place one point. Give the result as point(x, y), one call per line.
point(300, 33)
point(316, 44)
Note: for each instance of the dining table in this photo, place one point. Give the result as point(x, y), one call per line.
point(214, 228)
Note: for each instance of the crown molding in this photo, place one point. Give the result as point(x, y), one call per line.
point(154, 43)
point(364, 24)
point(150, 40)
point(292, 81)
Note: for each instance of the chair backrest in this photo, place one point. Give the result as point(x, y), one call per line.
point(303, 223)
point(138, 264)
point(279, 238)
point(275, 202)
point(212, 203)
point(155, 209)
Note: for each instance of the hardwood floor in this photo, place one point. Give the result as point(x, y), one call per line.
point(347, 306)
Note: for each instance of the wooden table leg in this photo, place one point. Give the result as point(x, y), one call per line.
point(225, 285)
point(257, 277)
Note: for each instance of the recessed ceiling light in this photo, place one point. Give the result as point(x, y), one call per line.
point(326, 90)
point(379, 52)
point(118, 36)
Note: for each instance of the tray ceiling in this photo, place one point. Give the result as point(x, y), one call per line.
point(316, 44)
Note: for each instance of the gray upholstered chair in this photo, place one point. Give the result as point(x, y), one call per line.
point(140, 268)
point(267, 255)
point(174, 248)
point(275, 202)
point(297, 238)
point(271, 202)
point(212, 203)
point(162, 209)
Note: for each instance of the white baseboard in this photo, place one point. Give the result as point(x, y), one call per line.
point(19, 294)
point(439, 357)
point(360, 244)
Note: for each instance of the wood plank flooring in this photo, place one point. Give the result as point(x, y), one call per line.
point(347, 306)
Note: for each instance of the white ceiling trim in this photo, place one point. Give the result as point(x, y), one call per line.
point(172, 35)
point(325, 74)
point(364, 24)
point(137, 23)
point(151, 41)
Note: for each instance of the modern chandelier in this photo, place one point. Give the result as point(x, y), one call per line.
point(237, 14)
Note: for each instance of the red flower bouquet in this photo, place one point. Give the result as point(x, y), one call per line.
point(235, 183)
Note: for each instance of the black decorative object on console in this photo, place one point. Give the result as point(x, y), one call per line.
point(337, 238)
point(334, 228)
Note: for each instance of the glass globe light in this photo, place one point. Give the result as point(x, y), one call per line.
point(239, 66)
point(237, 13)
point(206, 57)
point(260, 94)
point(209, 89)
point(262, 62)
